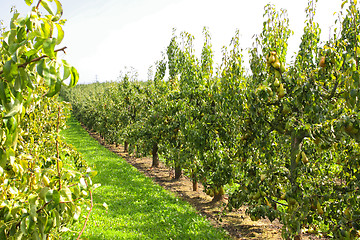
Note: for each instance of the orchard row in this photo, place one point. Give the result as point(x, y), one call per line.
point(283, 140)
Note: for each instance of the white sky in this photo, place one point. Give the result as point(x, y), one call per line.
point(104, 36)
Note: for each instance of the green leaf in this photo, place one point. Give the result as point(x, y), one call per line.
point(17, 108)
point(10, 70)
point(56, 197)
point(2, 232)
point(60, 35)
point(83, 183)
point(39, 44)
point(49, 196)
point(74, 77)
point(64, 229)
point(57, 218)
point(7, 68)
point(59, 11)
point(47, 7)
point(13, 47)
point(31, 225)
point(77, 213)
point(40, 67)
point(3, 158)
point(31, 52)
point(49, 47)
point(49, 224)
point(65, 195)
point(29, 2)
point(54, 89)
point(23, 226)
point(45, 30)
point(33, 205)
point(5, 94)
point(43, 192)
point(66, 72)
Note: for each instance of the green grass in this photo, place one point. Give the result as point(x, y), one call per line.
point(138, 208)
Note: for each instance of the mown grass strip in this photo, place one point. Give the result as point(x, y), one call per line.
point(138, 208)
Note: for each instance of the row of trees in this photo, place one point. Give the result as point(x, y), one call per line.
point(43, 181)
point(285, 136)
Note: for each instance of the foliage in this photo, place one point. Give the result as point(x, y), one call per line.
point(287, 134)
point(43, 181)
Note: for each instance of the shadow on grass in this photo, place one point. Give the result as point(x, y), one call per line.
point(138, 209)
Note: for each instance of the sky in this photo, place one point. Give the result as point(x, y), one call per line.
point(105, 36)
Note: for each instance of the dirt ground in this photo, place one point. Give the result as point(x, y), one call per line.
point(237, 223)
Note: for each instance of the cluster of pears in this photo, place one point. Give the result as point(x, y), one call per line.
point(279, 68)
point(273, 60)
point(215, 191)
point(280, 88)
point(301, 155)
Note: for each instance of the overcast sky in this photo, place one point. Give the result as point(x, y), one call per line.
point(104, 36)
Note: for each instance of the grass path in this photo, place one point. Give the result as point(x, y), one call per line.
point(138, 208)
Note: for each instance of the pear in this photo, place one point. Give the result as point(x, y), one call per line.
point(257, 196)
point(349, 128)
point(276, 64)
point(262, 177)
point(282, 68)
point(319, 209)
point(281, 91)
point(216, 191)
point(286, 109)
point(277, 74)
point(267, 202)
point(322, 62)
point(283, 196)
point(304, 158)
point(292, 201)
point(45, 180)
point(208, 191)
point(272, 59)
point(211, 193)
point(277, 82)
point(298, 158)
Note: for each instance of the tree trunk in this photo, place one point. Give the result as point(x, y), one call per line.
point(195, 185)
point(218, 197)
point(155, 156)
point(178, 171)
point(126, 146)
point(296, 143)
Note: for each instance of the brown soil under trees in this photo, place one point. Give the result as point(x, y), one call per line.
point(238, 224)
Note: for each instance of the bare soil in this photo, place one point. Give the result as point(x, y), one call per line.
point(237, 223)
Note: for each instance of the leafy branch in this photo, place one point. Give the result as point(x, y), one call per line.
point(36, 59)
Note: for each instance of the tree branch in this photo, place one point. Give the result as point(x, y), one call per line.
point(40, 209)
point(277, 202)
point(38, 5)
point(36, 59)
point(87, 217)
point(57, 147)
point(334, 88)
